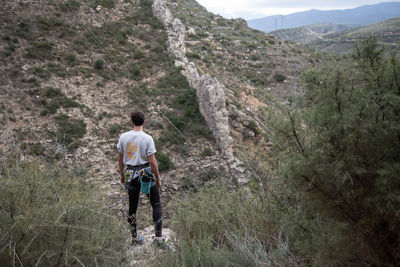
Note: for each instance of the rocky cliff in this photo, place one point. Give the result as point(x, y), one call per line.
point(210, 91)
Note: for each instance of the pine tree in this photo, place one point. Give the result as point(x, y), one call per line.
point(341, 152)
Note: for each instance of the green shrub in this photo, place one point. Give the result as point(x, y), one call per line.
point(54, 217)
point(253, 126)
point(23, 29)
point(69, 6)
point(116, 129)
point(255, 57)
point(190, 55)
point(46, 24)
point(339, 154)
point(104, 3)
point(69, 130)
point(164, 162)
point(41, 50)
point(33, 148)
point(53, 99)
point(216, 227)
point(280, 77)
point(99, 64)
point(135, 71)
point(138, 54)
point(173, 81)
point(207, 152)
point(70, 57)
point(51, 92)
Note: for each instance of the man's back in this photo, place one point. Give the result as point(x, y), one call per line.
point(136, 146)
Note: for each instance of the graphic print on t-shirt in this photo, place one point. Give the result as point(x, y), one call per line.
point(131, 150)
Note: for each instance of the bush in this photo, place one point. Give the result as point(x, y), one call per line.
point(40, 50)
point(280, 77)
point(193, 55)
point(71, 58)
point(69, 130)
point(216, 227)
point(134, 71)
point(33, 148)
point(164, 162)
point(207, 152)
point(53, 218)
point(339, 154)
point(138, 54)
point(69, 6)
point(115, 129)
point(57, 100)
point(104, 3)
point(99, 64)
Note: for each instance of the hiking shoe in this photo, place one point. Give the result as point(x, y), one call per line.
point(138, 241)
point(160, 243)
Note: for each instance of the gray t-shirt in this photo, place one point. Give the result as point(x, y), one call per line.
point(136, 147)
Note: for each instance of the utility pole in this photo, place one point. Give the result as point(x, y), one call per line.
point(282, 21)
point(294, 85)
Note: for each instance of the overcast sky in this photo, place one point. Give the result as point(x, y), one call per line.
point(250, 9)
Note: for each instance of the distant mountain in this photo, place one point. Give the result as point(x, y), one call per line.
point(360, 16)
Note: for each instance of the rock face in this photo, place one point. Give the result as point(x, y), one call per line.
point(210, 92)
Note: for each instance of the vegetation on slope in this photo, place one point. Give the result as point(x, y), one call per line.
point(326, 194)
point(386, 32)
point(55, 217)
point(237, 55)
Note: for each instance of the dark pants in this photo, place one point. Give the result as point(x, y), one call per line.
point(154, 196)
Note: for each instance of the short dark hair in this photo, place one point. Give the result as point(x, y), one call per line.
point(137, 118)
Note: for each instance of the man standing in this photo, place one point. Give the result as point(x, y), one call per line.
point(136, 152)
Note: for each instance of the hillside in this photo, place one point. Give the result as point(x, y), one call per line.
point(73, 71)
point(387, 33)
point(72, 74)
point(75, 65)
point(248, 131)
point(309, 33)
point(360, 16)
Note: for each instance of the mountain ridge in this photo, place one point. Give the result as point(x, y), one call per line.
point(362, 15)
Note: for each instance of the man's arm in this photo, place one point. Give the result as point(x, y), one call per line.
point(121, 166)
point(154, 168)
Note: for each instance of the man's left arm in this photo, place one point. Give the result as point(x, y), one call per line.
point(121, 166)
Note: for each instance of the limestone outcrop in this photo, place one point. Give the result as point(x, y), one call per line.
point(210, 92)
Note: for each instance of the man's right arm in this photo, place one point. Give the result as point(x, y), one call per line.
point(154, 168)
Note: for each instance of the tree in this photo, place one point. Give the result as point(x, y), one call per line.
point(340, 152)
